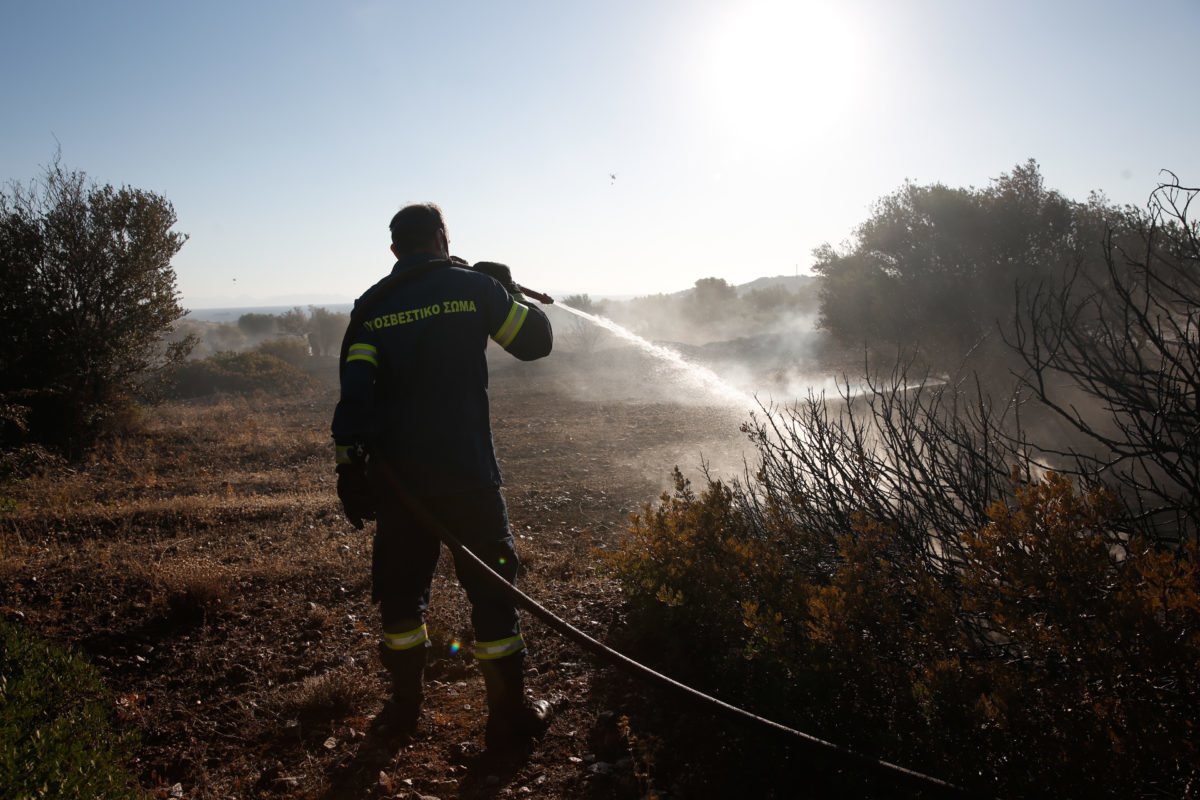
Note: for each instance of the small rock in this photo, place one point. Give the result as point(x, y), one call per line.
point(601, 768)
point(177, 790)
point(330, 743)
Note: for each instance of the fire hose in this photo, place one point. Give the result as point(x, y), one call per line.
point(614, 658)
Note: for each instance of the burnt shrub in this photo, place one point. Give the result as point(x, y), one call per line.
point(924, 572)
point(1056, 655)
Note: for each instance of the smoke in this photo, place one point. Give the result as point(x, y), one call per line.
point(715, 383)
point(668, 357)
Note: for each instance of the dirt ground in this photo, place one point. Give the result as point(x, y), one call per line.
point(201, 562)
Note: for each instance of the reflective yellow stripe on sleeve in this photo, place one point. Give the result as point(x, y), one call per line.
point(343, 454)
point(362, 352)
point(508, 331)
point(490, 651)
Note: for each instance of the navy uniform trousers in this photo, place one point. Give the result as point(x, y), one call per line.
point(406, 553)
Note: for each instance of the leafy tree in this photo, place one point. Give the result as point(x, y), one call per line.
point(937, 267)
point(711, 299)
point(257, 326)
point(325, 330)
point(87, 294)
point(582, 302)
point(293, 321)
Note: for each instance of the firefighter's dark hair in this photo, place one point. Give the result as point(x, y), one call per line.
point(415, 227)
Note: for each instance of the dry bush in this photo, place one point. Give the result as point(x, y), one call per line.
point(330, 695)
point(191, 589)
point(316, 616)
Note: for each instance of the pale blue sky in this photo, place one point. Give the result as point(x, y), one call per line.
point(742, 134)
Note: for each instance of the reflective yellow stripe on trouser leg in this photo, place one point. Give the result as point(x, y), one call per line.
point(405, 640)
point(490, 651)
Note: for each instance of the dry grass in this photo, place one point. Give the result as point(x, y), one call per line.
point(200, 559)
point(175, 518)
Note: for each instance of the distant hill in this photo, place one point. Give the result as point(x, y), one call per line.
point(800, 284)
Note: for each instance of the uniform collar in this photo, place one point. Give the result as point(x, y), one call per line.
point(413, 260)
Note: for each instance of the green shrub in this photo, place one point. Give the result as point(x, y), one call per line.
point(57, 737)
point(87, 293)
point(238, 373)
point(291, 349)
point(689, 565)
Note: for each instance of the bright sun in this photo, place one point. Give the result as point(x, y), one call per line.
point(775, 70)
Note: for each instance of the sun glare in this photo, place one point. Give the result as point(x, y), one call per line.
point(776, 70)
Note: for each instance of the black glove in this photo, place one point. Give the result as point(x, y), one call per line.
point(501, 273)
point(354, 490)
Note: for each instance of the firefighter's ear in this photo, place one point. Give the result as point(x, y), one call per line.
point(397, 255)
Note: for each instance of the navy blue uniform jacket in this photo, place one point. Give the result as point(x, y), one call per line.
point(415, 381)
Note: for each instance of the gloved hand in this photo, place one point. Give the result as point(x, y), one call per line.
point(501, 273)
point(354, 490)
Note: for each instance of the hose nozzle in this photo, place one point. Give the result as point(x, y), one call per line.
point(544, 299)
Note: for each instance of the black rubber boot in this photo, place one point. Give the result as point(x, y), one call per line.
point(513, 719)
point(406, 668)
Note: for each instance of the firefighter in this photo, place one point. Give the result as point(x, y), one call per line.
point(413, 418)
